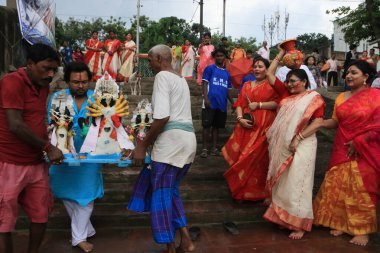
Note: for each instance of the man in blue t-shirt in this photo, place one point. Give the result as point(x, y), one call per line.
point(216, 90)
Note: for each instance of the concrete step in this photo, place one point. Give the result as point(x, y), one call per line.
point(203, 170)
point(197, 212)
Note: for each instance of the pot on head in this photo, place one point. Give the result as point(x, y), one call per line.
point(293, 58)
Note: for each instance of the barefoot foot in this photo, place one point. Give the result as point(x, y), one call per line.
point(336, 232)
point(186, 246)
point(86, 246)
point(297, 235)
point(361, 240)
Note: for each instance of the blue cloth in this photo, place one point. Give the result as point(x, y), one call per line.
point(219, 82)
point(157, 191)
point(188, 127)
point(81, 184)
point(66, 53)
point(250, 77)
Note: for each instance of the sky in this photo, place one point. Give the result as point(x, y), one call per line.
point(243, 17)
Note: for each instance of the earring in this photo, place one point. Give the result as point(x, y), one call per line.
point(365, 82)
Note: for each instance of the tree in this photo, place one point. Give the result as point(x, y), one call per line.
point(361, 23)
point(309, 41)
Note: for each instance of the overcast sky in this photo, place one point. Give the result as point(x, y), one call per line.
point(243, 17)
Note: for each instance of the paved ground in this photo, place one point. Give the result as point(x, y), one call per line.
point(260, 237)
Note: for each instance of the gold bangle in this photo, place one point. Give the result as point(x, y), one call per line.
point(302, 137)
point(260, 105)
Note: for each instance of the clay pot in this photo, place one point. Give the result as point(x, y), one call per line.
point(293, 58)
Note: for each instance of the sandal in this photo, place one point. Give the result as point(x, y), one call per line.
point(215, 152)
point(204, 153)
point(231, 228)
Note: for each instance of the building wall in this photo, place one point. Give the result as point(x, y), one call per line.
point(341, 46)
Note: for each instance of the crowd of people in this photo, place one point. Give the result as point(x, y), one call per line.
point(271, 153)
point(115, 57)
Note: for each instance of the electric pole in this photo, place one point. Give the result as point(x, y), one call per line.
point(138, 34)
point(224, 18)
point(201, 18)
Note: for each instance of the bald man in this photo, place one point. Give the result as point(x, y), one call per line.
point(264, 51)
point(174, 147)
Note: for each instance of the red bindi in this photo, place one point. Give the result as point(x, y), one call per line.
point(80, 76)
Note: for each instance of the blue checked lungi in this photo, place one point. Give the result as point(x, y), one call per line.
point(157, 191)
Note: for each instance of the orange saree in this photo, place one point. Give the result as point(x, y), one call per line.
point(247, 149)
point(349, 193)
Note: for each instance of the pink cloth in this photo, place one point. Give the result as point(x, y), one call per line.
point(27, 185)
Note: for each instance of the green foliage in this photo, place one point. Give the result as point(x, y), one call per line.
point(166, 30)
point(77, 31)
point(246, 43)
point(357, 23)
point(309, 41)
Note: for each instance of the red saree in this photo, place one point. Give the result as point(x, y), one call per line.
point(247, 149)
point(92, 57)
point(359, 121)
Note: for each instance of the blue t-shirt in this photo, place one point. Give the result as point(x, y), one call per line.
point(250, 77)
point(219, 82)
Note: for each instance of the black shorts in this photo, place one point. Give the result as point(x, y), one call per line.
point(215, 118)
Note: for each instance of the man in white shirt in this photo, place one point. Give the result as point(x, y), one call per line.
point(283, 71)
point(264, 51)
point(174, 147)
point(332, 73)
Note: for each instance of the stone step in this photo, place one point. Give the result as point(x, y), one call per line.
point(197, 212)
point(203, 170)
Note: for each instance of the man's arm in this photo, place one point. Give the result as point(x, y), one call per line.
point(205, 94)
point(18, 127)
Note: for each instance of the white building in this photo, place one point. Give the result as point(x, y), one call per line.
point(340, 46)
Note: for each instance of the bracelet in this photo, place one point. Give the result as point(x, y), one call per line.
point(301, 136)
point(238, 118)
point(47, 146)
point(260, 105)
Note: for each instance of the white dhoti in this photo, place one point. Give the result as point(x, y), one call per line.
point(81, 227)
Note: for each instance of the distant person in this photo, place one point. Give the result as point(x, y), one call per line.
point(67, 53)
point(216, 93)
point(128, 48)
point(111, 62)
point(284, 70)
point(92, 57)
point(264, 51)
point(311, 63)
point(24, 174)
point(78, 56)
point(350, 57)
point(205, 52)
point(374, 57)
point(332, 72)
point(225, 45)
point(188, 59)
point(249, 54)
point(238, 52)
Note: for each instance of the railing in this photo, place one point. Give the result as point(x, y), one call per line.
point(145, 69)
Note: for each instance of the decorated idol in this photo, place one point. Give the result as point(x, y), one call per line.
point(142, 119)
point(62, 136)
point(106, 134)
